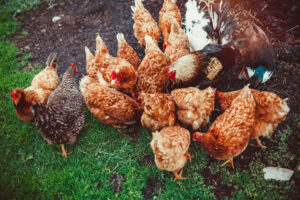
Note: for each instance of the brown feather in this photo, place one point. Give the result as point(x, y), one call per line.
point(229, 135)
point(170, 147)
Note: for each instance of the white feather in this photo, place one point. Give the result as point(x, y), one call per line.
point(101, 79)
point(194, 23)
point(250, 71)
point(267, 76)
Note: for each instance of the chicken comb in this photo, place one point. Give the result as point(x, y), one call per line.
point(13, 95)
point(113, 75)
point(73, 65)
point(167, 71)
point(217, 92)
point(172, 75)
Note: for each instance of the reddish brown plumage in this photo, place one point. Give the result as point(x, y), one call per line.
point(229, 135)
point(170, 147)
point(194, 106)
point(177, 44)
point(103, 66)
point(126, 52)
point(144, 24)
point(270, 110)
point(159, 111)
point(91, 67)
point(125, 78)
point(41, 87)
point(108, 104)
point(151, 73)
point(168, 13)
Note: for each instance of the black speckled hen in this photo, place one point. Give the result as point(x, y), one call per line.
point(62, 118)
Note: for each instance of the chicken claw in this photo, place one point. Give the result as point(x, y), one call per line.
point(64, 152)
point(227, 161)
point(179, 177)
point(260, 144)
point(190, 157)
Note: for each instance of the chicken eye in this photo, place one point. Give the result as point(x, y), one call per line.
point(227, 37)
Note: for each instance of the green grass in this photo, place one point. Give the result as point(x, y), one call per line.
point(31, 169)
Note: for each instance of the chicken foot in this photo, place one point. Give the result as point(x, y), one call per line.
point(227, 161)
point(190, 157)
point(260, 144)
point(179, 176)
point(118, 128)
point(64, 152)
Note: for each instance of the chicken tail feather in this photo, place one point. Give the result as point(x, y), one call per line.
point(51, 61)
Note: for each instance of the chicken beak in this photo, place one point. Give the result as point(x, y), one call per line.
point(75, 71)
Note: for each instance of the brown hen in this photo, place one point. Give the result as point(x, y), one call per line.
point(151, 72)
point(178, 43)
point(168, 13)
point(229, 135)
point(110, 71)
point(126, 52)
point(41, 87)
point(270, 110)
point(144, 24)
point(194, 106)
point(159, 110)
point(170, 147)
point(108, 104)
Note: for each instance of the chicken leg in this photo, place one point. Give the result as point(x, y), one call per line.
point(227, 161)
point(64, 152)
point(190, 157)
point(118, 128)
point(179, 177)
point(260, 144)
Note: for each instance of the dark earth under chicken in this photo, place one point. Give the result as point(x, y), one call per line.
point(81, 21)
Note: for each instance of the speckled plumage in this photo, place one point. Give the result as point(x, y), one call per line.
point(102, 55)
point(108, 104)
point(159, 111)
point(229, 135)
point(178, 44)
point(106, 64)
point(91, 68)
point(126, 52)
point(151, 73)
point(144, 24)
point(62, 118)
point(269, 112)
point(170, 147)
point(213, 68)
point(194, 106)
point(41, 87)
point(167, 14)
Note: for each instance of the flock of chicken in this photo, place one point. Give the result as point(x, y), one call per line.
point(122, 91)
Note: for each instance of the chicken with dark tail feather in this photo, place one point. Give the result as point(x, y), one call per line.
point(62, 118)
